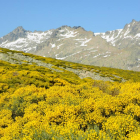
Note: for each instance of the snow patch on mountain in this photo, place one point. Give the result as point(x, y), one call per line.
point(35, 48)
point(59, 46)
point(137, 35)
point(96, 56)
point(118, 35)
point(4, 42)
point(128, 37)
point(128, 25)
point(61, 30)
point(68, 34)
point(18, 43)
point(127, 32)
point(53, 45)
point(111, 37)
point(83, 41)
point(133, 23)
point(37, 37)
point(106, 55)
point(97, 34)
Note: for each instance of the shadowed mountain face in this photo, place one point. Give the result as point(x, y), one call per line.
point(119, 48)
point(19, 32)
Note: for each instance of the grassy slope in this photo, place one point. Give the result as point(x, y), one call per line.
point(114, 74)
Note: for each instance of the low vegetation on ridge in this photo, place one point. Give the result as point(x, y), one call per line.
point(52, 102)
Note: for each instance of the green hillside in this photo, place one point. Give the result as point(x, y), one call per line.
point(44, 98)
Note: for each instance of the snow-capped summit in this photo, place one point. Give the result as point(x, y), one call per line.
point(126, 37)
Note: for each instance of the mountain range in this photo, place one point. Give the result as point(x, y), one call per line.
point(118, 48)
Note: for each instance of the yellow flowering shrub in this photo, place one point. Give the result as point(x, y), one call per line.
point(118, 127)
point(40, 103)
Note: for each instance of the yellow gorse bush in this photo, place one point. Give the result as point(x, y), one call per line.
point(39, 103)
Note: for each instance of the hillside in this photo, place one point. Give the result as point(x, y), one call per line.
point(115, 49)
point(95, 72)
point(45, 98)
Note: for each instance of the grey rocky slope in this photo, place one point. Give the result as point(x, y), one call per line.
point(15, 57)
point(118, 48)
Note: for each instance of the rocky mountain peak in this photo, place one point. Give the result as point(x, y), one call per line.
point(19, 32)
point(133, 21)
point(64, 26)
point(131, 24)
point(78, 27)
point(19, 29)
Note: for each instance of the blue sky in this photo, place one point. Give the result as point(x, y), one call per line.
point(42, 15)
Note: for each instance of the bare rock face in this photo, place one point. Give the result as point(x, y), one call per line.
point(119, 48)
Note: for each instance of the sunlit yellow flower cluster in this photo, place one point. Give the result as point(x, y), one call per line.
point(37, 103)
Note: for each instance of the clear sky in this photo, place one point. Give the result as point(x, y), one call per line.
point(42, 15)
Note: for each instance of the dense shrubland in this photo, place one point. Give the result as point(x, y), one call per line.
point(40, 103)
